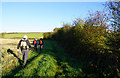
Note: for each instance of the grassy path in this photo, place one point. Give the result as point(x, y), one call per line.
point(51, 61)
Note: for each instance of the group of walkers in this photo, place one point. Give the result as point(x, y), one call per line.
point(24, 45)
point(36, 43)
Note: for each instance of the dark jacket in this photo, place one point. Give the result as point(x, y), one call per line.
point(27, 41)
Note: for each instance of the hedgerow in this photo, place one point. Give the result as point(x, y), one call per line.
point(92, 46)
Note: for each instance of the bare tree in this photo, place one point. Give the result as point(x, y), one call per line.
point(114, 9)
point(99, 18)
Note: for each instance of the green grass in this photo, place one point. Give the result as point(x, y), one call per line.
point(51, 61)
point(20, 35)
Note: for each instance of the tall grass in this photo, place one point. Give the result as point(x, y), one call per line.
point(51, 61)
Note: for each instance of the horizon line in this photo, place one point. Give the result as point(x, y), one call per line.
point(23, 32)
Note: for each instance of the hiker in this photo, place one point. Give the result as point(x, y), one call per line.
point(24, 44)
point(35, 43)
point(41, 44)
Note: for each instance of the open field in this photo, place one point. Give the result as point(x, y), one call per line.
point(20, 35)
point(8, 59)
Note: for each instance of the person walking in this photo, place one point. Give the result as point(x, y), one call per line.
point(24, 45)
point(35, 43)
point(41, 44)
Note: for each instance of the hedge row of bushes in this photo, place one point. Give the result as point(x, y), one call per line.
point(97, 50)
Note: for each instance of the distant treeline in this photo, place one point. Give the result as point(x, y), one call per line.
point(97, 50)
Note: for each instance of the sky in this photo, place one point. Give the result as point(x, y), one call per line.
point(43, 16)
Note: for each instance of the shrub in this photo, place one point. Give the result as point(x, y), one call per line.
point(97, 50)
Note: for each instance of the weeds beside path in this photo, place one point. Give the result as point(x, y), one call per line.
point(51, 61)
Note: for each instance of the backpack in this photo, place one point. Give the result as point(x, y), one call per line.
point(41, 42)
point(35, 42)
point(23, 44)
